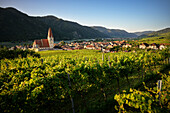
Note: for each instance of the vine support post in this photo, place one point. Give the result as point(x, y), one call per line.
point(142, 72)
point(109, 61)
point(42, 61)
point(85, 58)
point(109, 64)
point(72, 102)
point(102, 56)
point(159, 86)
point(109, 58)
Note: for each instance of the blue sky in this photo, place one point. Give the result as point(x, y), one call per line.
point(130, 15)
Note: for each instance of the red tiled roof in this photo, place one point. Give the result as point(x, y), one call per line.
point(55, 44)
point(107, 49)
point(89, 46)
point(42, 43)
point(45, 43)
point(38, 42)
point(110, 46)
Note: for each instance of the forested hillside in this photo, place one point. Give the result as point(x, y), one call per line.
point(15, 26)
point(115, 33)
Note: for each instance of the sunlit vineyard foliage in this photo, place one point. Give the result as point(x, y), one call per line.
point(152, 100)
point(41, 84)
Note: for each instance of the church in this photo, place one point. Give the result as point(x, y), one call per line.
point(44, 44)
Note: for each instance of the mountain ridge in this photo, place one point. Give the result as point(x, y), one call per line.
point(115, 33)
point(15, 25)
point(142, 32)
point(18, 26)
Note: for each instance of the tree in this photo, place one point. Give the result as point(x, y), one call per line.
point(115, 48)
point(62, 42)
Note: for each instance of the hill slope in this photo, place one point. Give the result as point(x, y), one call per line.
point(161, 36)
point(142, 33)
point(114, 32)
point(156, 33)
point(15, 25)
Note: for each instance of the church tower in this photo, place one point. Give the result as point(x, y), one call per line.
point(50, 38)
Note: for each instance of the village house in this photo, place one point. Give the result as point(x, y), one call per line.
point(78, 47)
point(127, 45)
point(107, 50)
point(114, 45)
point(111, 43)
point(89, 47)
point(70, 44)
point(143, 46)
point(118, 43)
point(104, 44)
point(153, 46)
point(99, 48)
point(162, 46)
point(44, 44)
point(13, 48)
point(110, 46)
point(66, 47)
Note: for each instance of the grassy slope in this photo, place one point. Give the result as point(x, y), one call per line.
point(158, 39)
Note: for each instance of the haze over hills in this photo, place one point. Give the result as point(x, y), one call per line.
point(156, 33)
point(158, 37)
point(142, 33)
point(15, 25)
point(115, 32)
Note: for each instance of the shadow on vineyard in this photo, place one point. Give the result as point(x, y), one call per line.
point(150, 81)
point(84, 81)
point(18, 53)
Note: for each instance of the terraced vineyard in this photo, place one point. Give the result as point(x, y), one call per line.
point(88, 77)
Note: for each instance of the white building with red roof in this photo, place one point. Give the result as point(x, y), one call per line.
point(89, 47)
point(162, 46)
point(45, 43)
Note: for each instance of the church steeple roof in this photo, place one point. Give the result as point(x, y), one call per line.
point(50, 33)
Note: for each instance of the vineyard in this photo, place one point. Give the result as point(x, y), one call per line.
point(80, 81)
